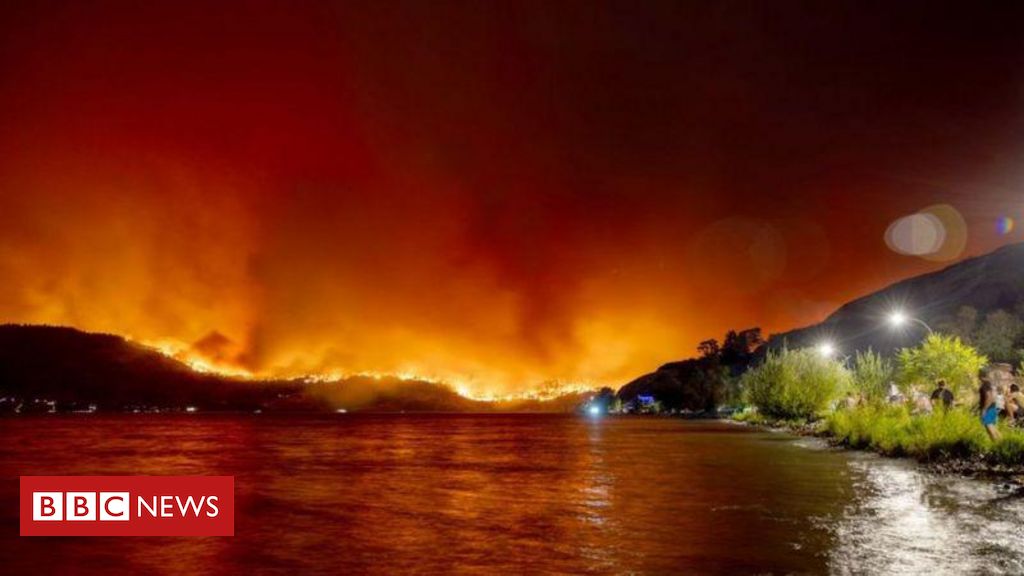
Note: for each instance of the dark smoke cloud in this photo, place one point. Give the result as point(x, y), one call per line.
point(495, 195)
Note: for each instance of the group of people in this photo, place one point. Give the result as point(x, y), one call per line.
point(924, 403)
point(995, 402)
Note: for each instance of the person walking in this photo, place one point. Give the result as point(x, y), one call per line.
point(989, 409)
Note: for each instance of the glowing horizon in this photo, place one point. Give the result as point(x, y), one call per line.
point(432, 191)
point(180, 352)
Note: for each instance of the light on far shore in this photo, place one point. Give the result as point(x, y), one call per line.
point(594, 410)
point(826, 349)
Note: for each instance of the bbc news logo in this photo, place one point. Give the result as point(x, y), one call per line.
point(114, 506)
point(127, 505)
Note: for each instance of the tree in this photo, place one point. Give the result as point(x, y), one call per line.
point(962, 325)
point(871, 375)
point(738, 348)
point(940, 356)
point(709, 348)
point(730, 389)
point(713, 381)
point(605, 400)
point(999, 336)
point(795, 383)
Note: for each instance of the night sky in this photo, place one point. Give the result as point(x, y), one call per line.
point(494, 194)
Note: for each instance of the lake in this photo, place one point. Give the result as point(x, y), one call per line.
point(515, 494)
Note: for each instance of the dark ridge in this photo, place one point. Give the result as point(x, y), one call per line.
point(987, 283)
point(44, 368)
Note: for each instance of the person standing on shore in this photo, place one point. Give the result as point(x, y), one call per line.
point(1015, 403)
point(989, 410)
point(942, 393)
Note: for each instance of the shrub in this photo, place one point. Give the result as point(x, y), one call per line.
point(870, 427)
point(749, 416)
point(1010, 450)
point(942, 435)
point(999, 335)
point(793, 384)
point(938, 357)
point(871, 375)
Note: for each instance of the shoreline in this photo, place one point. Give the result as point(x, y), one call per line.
point(975, 467)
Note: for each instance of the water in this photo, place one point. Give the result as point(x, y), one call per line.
point(516, 494)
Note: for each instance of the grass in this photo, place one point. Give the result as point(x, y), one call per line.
point(756, 418)
point(943, 435)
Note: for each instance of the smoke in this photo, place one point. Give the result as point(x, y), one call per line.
point(315, 279)
point(502, 199)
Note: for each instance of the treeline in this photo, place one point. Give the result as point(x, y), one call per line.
point(702, 383)
point(999, 334)
point(714, 377)
point(804, 384)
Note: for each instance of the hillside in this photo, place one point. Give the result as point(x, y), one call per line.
point(989, 282)
point(74, 369)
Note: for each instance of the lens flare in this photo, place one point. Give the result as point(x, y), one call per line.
point(937, 233)
point(916, 235)
point(1004, 225)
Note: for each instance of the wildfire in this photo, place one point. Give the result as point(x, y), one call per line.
point(548, 391)
point(183, 353)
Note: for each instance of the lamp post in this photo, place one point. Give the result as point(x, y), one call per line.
point(829, 351)
point(826, 349)
point(899, 318)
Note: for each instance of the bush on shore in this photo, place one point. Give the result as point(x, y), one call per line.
point(871, 375)
point(795, 384)
point(942, 435)
point(793, 387)
point(755, 418)
point(941, 357)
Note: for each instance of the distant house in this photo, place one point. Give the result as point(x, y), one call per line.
point(642, 404)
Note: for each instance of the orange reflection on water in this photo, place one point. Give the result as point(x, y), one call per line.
point(538, 494)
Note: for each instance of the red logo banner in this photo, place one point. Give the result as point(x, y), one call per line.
point(127, 505)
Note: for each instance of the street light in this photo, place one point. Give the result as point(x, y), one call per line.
point(826, 349)
point(898, 319)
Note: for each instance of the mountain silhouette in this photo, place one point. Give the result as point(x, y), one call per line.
point(990, 282)
point(75, 368)
point(70, 369)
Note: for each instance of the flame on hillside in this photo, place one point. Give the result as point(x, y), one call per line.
point(186, 354)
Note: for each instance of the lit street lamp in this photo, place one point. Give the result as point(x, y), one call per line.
point(899, 319)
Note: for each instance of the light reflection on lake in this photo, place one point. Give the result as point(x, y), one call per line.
point(906, 522)
point(537, 494)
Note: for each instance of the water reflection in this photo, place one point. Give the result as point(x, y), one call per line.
point(906, 522)
point(449, 494)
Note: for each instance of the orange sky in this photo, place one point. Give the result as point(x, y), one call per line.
point(499, 195)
